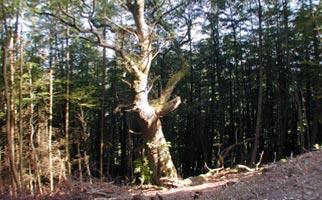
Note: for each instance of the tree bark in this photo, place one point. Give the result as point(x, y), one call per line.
point(260, 88)
point(32, 133)
point(158, 153)
point(67, 105)
point(148, 118)
point(300, 119)
point(101, 153)
point(50, 120)
point(10, 112)
point(21, 61)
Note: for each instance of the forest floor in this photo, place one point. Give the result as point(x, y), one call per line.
point(297, 178)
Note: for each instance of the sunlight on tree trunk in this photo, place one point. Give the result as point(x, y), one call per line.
point(50, 121)
point(86, 162)
point(10, 122)
point(67, 103)
point(158, 153)
point(21, 63)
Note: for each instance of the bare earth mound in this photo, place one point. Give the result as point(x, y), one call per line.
point(298, 178)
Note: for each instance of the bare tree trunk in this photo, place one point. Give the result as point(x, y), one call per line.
point(12, 100)
point(306, 102)
point(260, 89)
point(315, 123)
point(50, 121)
point(301, 119)
point(20, 113)
point(83, 123)
point(158, 153)
point(9, 124)
point(32, 133)
point(148, 117)
point(80, 164)
point(31, 184)
point(0, 165)
point(67, 156)
point(86, 162)
point(21, 61)
point(101, 155)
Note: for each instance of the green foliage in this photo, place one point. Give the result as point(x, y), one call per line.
point(35, 75)
point(84, 97)
point(107, 9)
point(141, 167)
point(2, 115)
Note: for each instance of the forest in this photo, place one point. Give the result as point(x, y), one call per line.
point(151, 91)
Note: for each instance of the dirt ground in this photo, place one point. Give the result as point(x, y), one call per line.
point(297, 178)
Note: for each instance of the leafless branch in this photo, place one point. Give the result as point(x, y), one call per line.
point(260, 160)
point(137, 10)
point(126, 82)
point(169, 107)
point(99, 40)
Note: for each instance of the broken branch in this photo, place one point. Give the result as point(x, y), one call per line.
point(172, 82)
point(169, 107)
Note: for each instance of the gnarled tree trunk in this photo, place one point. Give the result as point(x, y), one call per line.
point(148, 115)
point(148, 118)
point(158, 153)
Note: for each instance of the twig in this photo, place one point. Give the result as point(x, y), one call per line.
point(134, 132)
point(260, 160)
point(119, 108)
point(225, 152)
point(252, 169)
point(94, 191)
point(126, 82)
point(245, 168)
point(213, 170)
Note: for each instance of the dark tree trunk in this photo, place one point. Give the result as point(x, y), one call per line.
point(260, 88)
